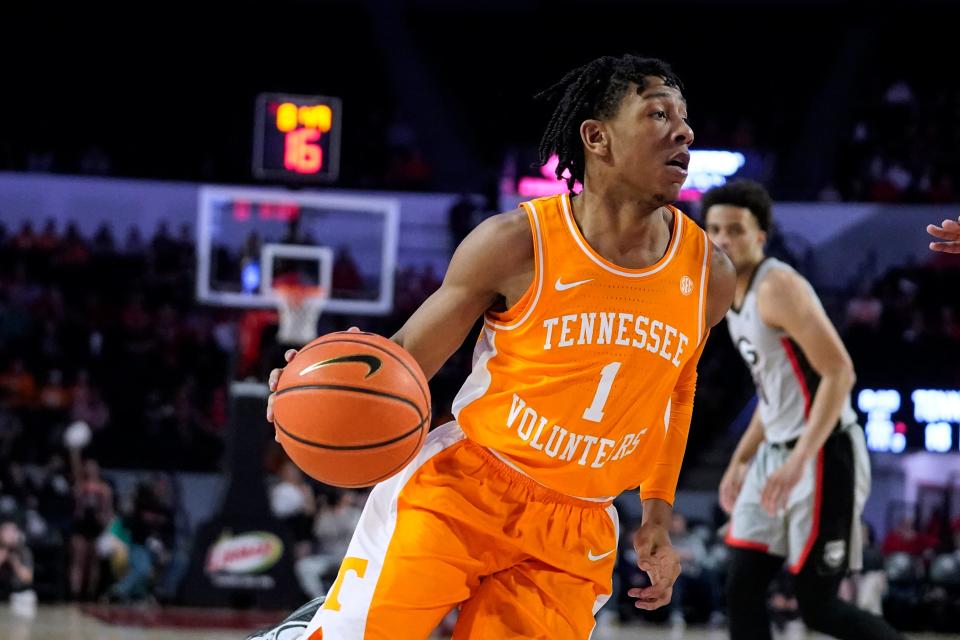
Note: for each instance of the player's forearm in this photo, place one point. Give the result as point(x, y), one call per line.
point(431, 355)
point(828, 402)
point(436, 330)
point(749, 441)
point(657, 512)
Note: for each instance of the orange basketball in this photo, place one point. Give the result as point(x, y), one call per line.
point(352, 409)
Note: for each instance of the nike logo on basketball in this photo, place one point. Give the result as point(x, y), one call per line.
point(599, 557)
point(372, 362)
point(570, 285)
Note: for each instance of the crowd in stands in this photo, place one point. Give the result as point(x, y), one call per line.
point(901, 147)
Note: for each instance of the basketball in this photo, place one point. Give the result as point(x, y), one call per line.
point(352, 409)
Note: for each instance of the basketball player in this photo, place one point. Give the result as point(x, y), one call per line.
point(949, 234)
point(800, 475)
point(596, 308)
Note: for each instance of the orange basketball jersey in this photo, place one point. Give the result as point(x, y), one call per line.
point(572, 385)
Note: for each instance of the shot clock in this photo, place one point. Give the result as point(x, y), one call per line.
point(297, 138)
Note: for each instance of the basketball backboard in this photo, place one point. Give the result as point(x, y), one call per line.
point(248, 238)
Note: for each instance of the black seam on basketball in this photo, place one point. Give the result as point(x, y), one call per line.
point(352, 447)
point(416, 450)
point(396, 469)
point(379, 348)
point(369, 392)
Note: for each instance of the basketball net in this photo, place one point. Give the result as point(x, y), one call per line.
point(299, 308)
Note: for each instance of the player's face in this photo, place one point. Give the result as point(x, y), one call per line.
point(735, 230)
point(650, 140)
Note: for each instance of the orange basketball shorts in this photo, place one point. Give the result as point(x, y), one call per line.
point(459, 528)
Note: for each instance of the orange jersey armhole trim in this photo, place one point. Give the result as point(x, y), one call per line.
point(516, 314)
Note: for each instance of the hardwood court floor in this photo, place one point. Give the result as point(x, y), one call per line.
point(68, 623)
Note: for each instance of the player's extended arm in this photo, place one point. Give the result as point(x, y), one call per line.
point(786, 300)
point(497, 251)
point(655, 554)
point(732, 480)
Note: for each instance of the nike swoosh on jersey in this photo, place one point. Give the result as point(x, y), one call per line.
point(599, 557)
point(560, 286)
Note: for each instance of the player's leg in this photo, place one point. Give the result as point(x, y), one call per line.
point(557, 590)
point(831, 546)
point(407, 564)
point(389, 578)
point(823, 611)
point(748, 579)
point(758, 544)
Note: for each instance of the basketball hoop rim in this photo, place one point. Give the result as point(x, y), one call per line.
point(296, 293)
point(298, 309)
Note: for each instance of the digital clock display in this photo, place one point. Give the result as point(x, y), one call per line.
point(297, 138)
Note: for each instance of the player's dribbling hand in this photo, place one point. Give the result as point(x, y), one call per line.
point(730, 485)
point(275, 376)
point(274, 379)
point(949, 233)
point(657, 557)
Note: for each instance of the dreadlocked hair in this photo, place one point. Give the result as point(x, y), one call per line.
point(594, 90)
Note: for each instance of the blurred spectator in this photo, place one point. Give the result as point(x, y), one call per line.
point(15, 489)
point(75, 252)
point(940, 189)
point(11, 428)
point(293, 502)
point(694, 575)
point(53, 396)
point(48, 240)
point(16, 561)
point(900, 147)
point(133, 245)
point(865, 309)
point(93, 510)
point(103, 241)
point(905, 538)
point(55, 496)
point(152, 537)
point(333, 529)
point(25, 239)
point(88, 405)
point(18, 385)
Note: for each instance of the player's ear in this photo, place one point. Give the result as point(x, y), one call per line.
point(595, 137)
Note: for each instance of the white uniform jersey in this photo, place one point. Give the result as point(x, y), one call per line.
point(786, 383)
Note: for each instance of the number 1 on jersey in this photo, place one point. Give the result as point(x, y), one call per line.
point(594, 413)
